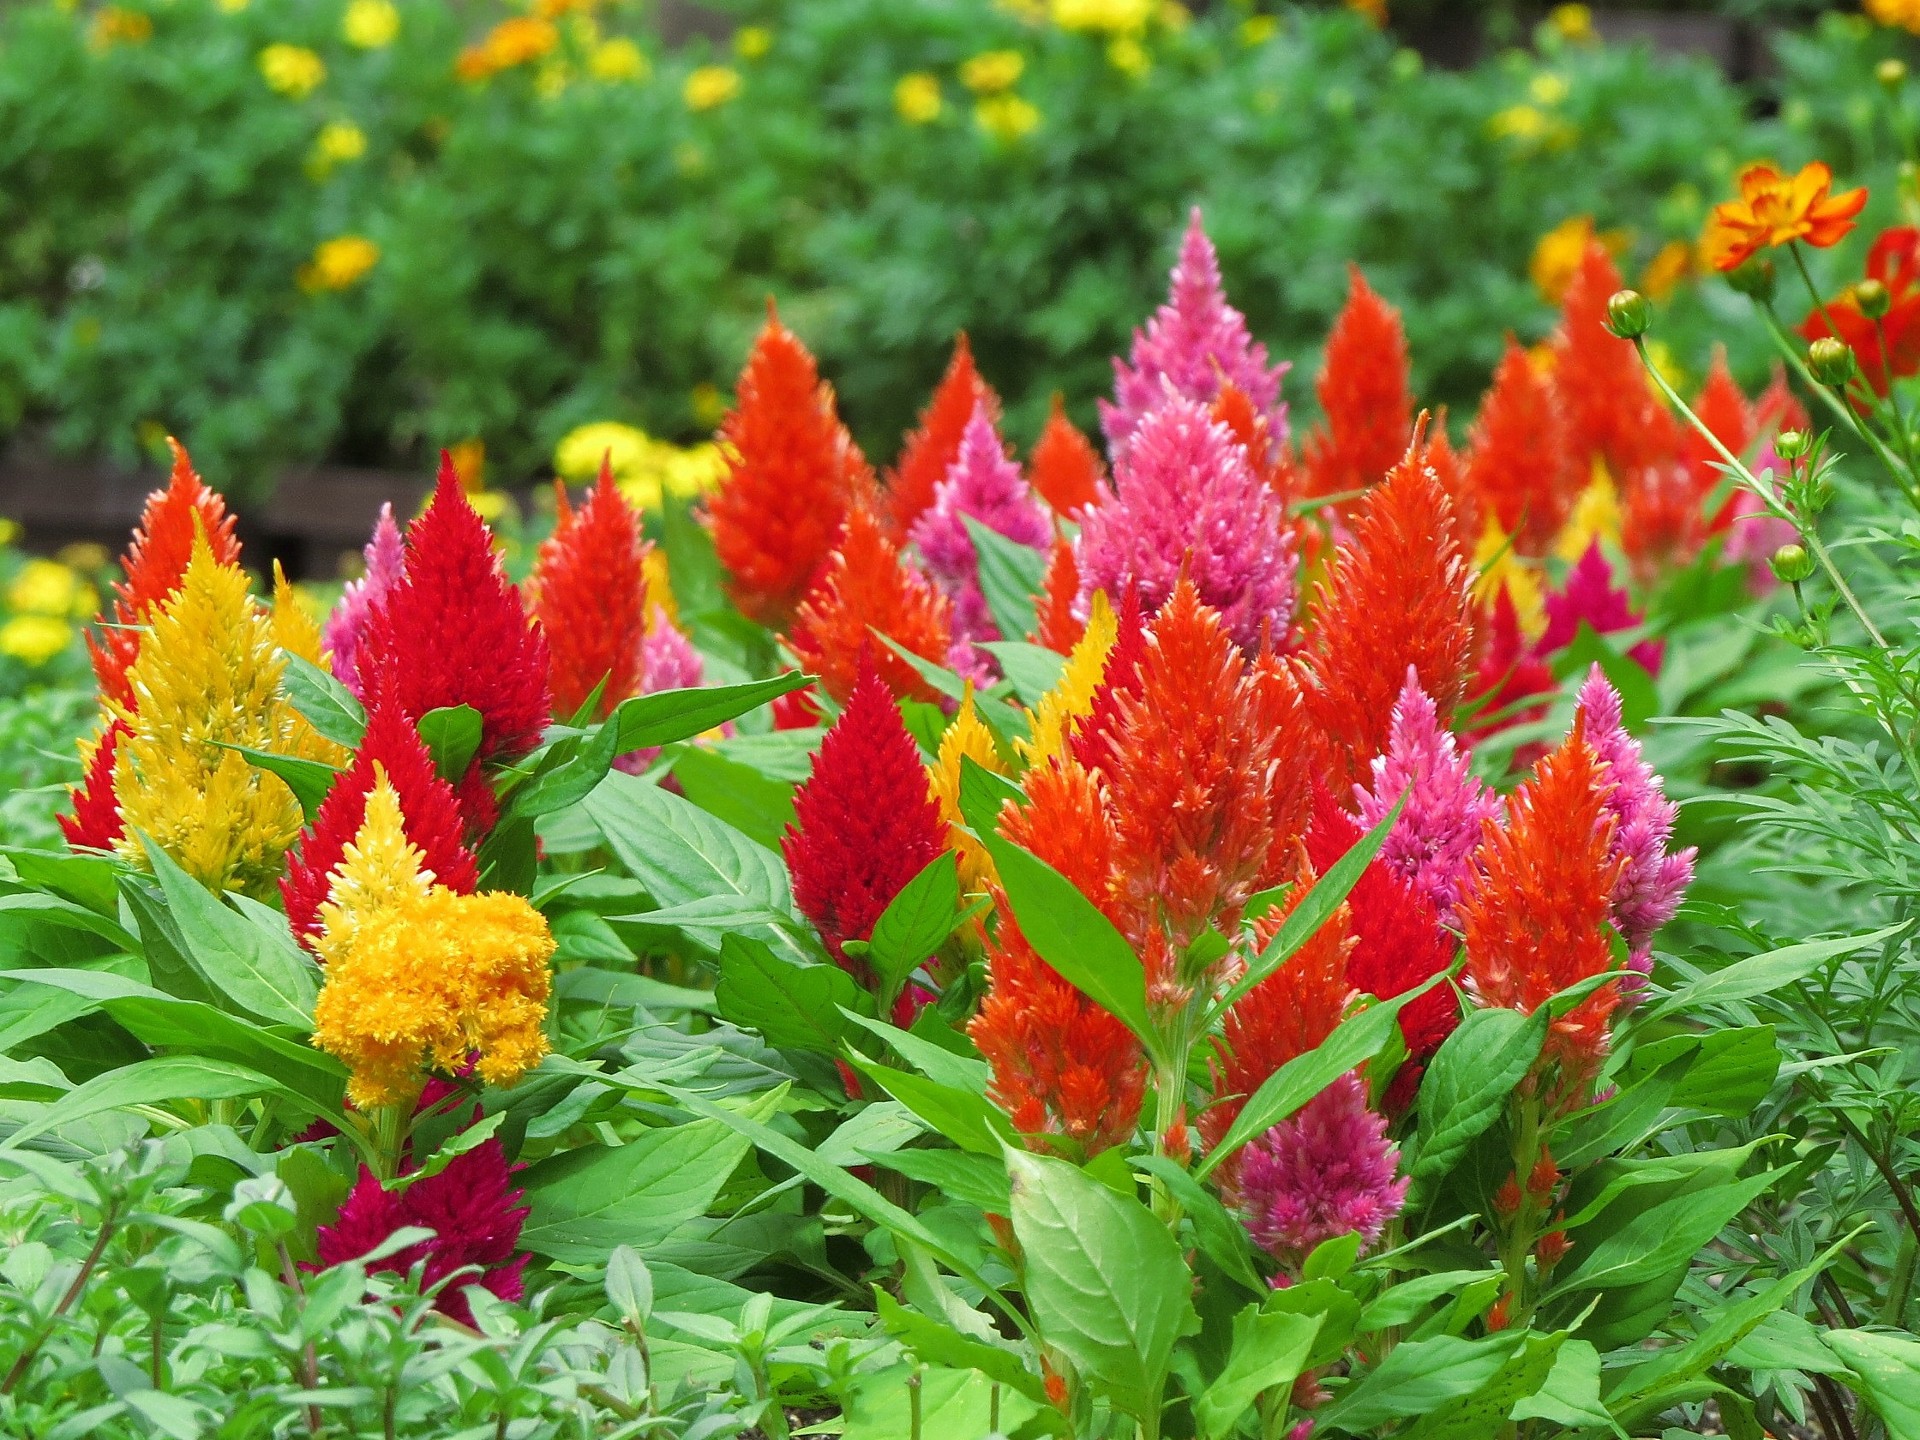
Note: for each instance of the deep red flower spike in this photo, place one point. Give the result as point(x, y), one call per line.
point(589, 592)
point(95, 822)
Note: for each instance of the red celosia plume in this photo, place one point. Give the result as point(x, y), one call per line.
point(867, 588)
point(1059, 628)
point(95, 822)
point(1095, 736)
point(931, 450)
point(1507, 671)
point(1364, 393)
point(1065, 469)
point(589, 592)
point(1611, 411)
point(1518, 465)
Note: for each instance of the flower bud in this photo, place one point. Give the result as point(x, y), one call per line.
point(1628, 314)
point(1830, 361)
point(1754, 279)
point(1820, 494)
point(1791, 564)
point(1872, 298)
point(1791, 444)
point(1891, 73)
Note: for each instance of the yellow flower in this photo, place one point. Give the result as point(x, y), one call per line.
point(1496, 565)
point(339, 263)
point(116, 26)
point(338, 142)
point(917, 98)
point(708, 405)
point(967, 738)
point(1129, 56)
point(44, 587)
point(1572, 23)
point(1548, 88)
point(371, 24)
point(1006, 117)
point(992, 71)
point(208, 679)
point(1903, 13)
point(293, 70)
point(551, 80)
point(750, 42)
point(1669, 266)
point(294, 625)
point(1071, 697)
point(233, 7)
point(618, 59)
point(418, 977)
point(1596, 516)
point(1518, 122)
point(1173, 15)
point(9, 530)
point(1257, 30)
point(1374, 10)
point(1106, 17)
point(710, 86)
point(661, 604)
point(577, 457)
point(83, 555)
point(34, 639)
point(1557, 254)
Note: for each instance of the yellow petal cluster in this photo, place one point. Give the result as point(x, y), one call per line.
point(1071, 697)
point(1495, 565)
point(293, 70)
point(1596, 516)
point(421, 978)
point(710, 86)
point(208, 679)
point(967, 738)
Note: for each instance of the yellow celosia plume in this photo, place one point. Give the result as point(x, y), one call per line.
point(967, 738)
point(1071, 697)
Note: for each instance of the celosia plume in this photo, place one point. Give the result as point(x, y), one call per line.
point(1194, 344)
point(1519, 467)
point(869, 588)
point(386, 559)
point(95, 823)
point(965, 738)
point(1188, 504)
point(1590, 597)
point(1093, 740)
point(1327, 1171)
point(588, 590)
point(985, 486)
point(864, 824)
point(793, 472)
point(929, 452)
point(1364, 393)
point(1071, 698)
point(1724, 409)
point(1507, 672)
point(1056, 625)
point(1611, 410)
point(1064, 469)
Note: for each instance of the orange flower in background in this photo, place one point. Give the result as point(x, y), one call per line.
point(1611, 411)
point(1894, 261)
point(588, 590)
point(1518, 465)
point(1059, 629)
point(868, 588)
point(1777, 209)
point(1363, 391)
point(514, 41)
point(930, 451)
point(1065, 469)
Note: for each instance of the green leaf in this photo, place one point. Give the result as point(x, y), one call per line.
point(452, 735)
point(670, 715)
point(1222, 1238)
point(258, 969)
point(1663, 1237)
point(1031, 669)
point(1417, 1377)
point(1068, 931)
point(1467, 1085)
point(1570, 1395)
point(678, 851)
point(585, 1202)
point(1269, 1351)
point(1106, 1282)
point(758, 807)
point(792, 1006)
point(309, 780)
point(572, 777)
point(92, 881)
point(1728, 1072)
point(1886, 1373)
point(1484, 1412)
point(163, 1080)
point(954, 1405)
point(1639, 701)
point(938, 1343)
point(1011, 574)
point(324, 702)
point(965, 1118)
point(972, 1179)
point(916, 922)
point(706, 922)
point(963, 1071)
point(983, 794)
point(1765, 974)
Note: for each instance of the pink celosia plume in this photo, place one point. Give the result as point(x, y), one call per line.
point(386, 565)
point(1327, 1170)
point(1590, 595)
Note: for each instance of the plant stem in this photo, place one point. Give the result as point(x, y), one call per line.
point(1840, 408)
point(108, 1223)
point(1900, 1287)
point(309, 1357)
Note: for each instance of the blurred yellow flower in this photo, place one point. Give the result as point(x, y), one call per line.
point(233, 7)
point(552, 79)
point(371, 24)
point(34, 639)
point(750, 42)
point(1596, 516)
point(1108, 17)
point(117, 26)
point(1006, 117)
point(917, 98)
point(992, 71)
point(339, 262)
point(1518, 122)
point(1903, 13)
point(710, 86)
point(1557, 254)
point(1572, 22)
point(1128, 56)
point(1496, 565)
point(85, 556)
point(514, 41)
point(618, 59)
point(1671, 264)
point(293, 70)
point(649, 471)
point(1548, 88)
point(9, 530)
point(659, 581)
point(1374, 10)
point(708, 405)
point(44, 587)
point(1258, 29)
point(338, 142)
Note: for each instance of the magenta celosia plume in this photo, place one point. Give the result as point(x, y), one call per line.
point(1195, 343)
point(1652, 878)
point(386, 566)
point(1432, 842)
point(1326, 1171)
point(982, 484)
point(1590, 595)
point(1186, 501)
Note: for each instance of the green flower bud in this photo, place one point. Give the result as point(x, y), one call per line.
point(1754, 279)
point(1791, 444)
point(1792, 564)
point(1820, 494)
point(1628, 314)
point(1872, 298)
point(1830, 361)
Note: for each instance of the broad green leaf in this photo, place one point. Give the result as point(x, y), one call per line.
point(1571, 1394)
point(965, 1118)
point(938, 1343)
point(1886, 1373)
point(89, 880)
point(1639, 701)
point(1469, 1081)
point(585, 1202)
point(35, 1079)
point(1269, 1351)
point(1222, 1238)
point(1410, 1299)
point(758, 807)
point(962, 1071)
point(629, 1285)
point(452, 736)
point(1011, 574)
point(954, 1405)
point(64, 913)
point(792, 1006)
point(324, 702)
point(309, 780)
point(1666, 1236)
point(1106, 1282)
point(1418, 1377)
point(1031, 669)
point(572, 777)
point(1764, 974)
point(1483, 1412)
point(263, 973)
point(916, 922)
point(163, 1080)
point(670, 715)
point(983, 794)
point(1729, 1072)
point(678, 851)
point(972, 1179)
point(706, 922)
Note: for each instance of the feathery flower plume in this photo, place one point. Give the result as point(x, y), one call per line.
point(472, 1208)
point(1590, 597)
point(1518, 467)
point(1057, 627)
point(1433, 841)
point(1325, 1171)
point(1724, 409)
point(207, 678)
point(419, 977)
point(965, 738)
point(154, 565)
point(291, 622)
point(1271, 463)
point(588, 590)
point(1652, 878)
point(1095, 737)
point(864, 824)
point(1061, 1065)
point(391, 750)
point(1363, 392)
point(793, 472)
point(1300, 753)
point(1450, 468)
point(1396, 595)
point(1189, 504)
point(930, 451)
point(868, 587)
point(95, 823)
point(1065, 469)
point(454, 631)
point(1612, 413)
point(984, 485)
point(1194, 343)
point(1535, 917)
point(1071, 698)
point(386, 558)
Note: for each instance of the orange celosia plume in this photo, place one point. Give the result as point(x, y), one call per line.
point(1059, 629)
point(1518, 467)
point(589, 592)
point(1612, 413)
point(793, 472)
point(1065, 469)
point(868, 587)
point(931, 450)
point(1363, 391)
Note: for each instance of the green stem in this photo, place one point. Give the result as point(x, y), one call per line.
point(1900, 1287)
point(1797, 362)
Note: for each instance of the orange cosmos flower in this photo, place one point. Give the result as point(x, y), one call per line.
point(1776, 209)
point(588, 590)
point(932, 449)
point(867, 587)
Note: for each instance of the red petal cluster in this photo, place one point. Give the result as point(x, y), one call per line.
point(429, 813)
point(868, 587)
point(1095, 736)
point(1894, 261)
point(589, 593)
point(1065, 469)
point(1364, 394)
point(1518, 467)
point(1612, 412)
point(1059, 628)
point(864, 822)
point(931, 450)
point(95, 822)
point(154, 563)
point(1665, 521)
point(793, 472)
point(1507, 671)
